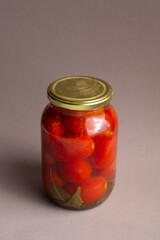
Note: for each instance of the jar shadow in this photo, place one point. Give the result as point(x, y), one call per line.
point(21, 176)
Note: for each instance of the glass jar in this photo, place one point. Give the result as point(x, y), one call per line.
point(79, 142)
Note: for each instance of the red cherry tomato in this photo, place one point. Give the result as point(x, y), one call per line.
point(75, 124)
point(91, 190)
point(71, 148)
point(109, 172)
point(87, 123)
point(111, 114)
point(76, 171)
point(105, 149)
point(52, 123)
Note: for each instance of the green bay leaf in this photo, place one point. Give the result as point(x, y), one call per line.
point(58, 193)
point(75, 201)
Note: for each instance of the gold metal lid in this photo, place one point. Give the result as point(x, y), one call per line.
point(79, 93)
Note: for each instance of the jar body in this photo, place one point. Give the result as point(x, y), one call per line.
point(79, 151)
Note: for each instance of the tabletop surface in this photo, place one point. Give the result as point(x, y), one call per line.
point(117, 41)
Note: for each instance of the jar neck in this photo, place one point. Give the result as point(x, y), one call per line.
point(77, 112)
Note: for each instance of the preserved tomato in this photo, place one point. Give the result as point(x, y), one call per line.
point(76, 171)
point(87, 123)
point(91, 189)
point(109, 172)
point(66, 149)
point(105, 148)
point(52, 123)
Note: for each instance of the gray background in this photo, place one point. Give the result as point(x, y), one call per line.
point(118, 41)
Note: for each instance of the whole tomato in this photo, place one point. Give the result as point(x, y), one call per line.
point(52, 123)
point(91, 189)
point(87, 123)
point(111, 114)
point(76, 171)
point(105, 149)
point(66, 149)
